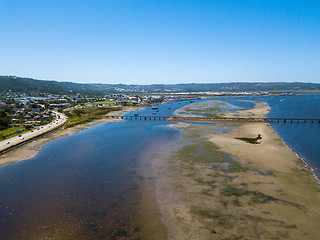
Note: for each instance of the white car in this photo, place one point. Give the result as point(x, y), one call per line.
point(8, 142)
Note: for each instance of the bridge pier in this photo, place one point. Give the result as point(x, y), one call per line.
point(271, 120)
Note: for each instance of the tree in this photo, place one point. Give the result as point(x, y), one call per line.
point(28, 127)
point(78, 112)
point(4, 123)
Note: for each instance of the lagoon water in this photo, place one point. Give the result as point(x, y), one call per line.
point(84, 186)
point(90, 185)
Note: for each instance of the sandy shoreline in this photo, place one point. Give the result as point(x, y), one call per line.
point(30, 149)
point(248, 191)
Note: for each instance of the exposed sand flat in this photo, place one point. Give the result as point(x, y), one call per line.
point(292, 180)
point(260, 111)
point(213, 186)
point(270, 153)
point(30, 149)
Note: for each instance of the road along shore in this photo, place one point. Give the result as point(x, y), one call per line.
point(31, 147)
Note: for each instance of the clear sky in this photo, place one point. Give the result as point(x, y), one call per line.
point(142, 42)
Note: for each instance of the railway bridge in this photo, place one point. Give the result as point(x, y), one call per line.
point(207, 119)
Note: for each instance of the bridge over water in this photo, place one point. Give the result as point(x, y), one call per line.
point(207, 119)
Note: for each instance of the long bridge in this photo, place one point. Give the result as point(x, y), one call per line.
point(207, 119)
point(142, 117)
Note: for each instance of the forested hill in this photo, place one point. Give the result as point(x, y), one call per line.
point(246, 86)
point(18, 84)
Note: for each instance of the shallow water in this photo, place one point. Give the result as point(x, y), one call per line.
point(84, 186)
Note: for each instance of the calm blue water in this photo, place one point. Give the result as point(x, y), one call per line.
point(84, 186)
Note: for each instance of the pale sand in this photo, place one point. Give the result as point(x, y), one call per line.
point(272, 195)
point(260, 111)
point(30, 149)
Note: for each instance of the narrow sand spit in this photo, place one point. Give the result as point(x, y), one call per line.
point(211, 185)
point(30, 149)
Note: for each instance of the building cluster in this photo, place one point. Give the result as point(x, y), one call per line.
point(37, 109)
point(26, 112)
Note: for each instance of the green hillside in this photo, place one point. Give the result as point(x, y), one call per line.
point(24, 85)
point(18, 84)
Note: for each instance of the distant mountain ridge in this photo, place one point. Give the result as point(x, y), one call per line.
point(18, 84)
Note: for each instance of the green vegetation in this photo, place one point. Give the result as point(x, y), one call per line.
point(27, 85)
point(204, 152)
point(4, 119)
point(211, 214)
point(232, 191)
point(236, 202)
point(86, 114)
point(11, 132)
point(207, 152)
point(197, 210)
point(211, 109)
point(18, 84)
point(105, 103)
point(251, 140)
point(206, 192)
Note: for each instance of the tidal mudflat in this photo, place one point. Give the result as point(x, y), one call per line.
point(214, 185)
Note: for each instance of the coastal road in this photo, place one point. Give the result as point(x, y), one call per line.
point(60, 119)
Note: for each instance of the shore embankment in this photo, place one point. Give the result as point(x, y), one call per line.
point(29, 149)
point(9, 144)
point(235, 181)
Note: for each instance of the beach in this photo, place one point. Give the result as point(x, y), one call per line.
point(31, 148)
point(223, 181)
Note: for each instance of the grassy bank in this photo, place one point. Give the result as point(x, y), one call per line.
point(83, 115)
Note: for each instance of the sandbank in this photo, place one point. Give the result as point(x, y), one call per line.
point(210, 185)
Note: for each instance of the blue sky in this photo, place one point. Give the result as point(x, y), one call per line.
point(144, 42)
